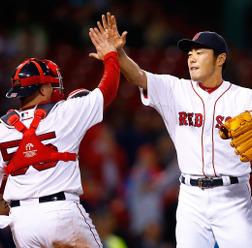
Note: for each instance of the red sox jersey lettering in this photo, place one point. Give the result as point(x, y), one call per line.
point(190, 119)
point(196, 119)
point(221, 120)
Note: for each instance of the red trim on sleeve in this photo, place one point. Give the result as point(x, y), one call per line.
point(110, 80)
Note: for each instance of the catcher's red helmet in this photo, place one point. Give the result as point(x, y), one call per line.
point(31, 74)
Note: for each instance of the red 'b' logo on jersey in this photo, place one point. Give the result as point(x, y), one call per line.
point(196, 36)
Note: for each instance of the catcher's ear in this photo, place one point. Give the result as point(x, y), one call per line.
point(44, 89)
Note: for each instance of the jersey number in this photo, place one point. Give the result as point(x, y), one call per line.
point(12, 144)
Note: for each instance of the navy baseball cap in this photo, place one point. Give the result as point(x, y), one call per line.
point(207, 39)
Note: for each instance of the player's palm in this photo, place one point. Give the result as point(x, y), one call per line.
point(116, 39)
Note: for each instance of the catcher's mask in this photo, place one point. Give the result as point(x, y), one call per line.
point(31, 74)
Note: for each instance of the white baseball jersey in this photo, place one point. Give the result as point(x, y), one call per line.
point(192, 117)
point(64, 128)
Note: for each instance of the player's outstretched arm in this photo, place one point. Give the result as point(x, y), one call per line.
point(106, 51)
point(129, 68)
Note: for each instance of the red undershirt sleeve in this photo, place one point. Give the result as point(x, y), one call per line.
point(110, 80)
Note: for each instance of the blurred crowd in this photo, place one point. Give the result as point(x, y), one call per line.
point(128, 162)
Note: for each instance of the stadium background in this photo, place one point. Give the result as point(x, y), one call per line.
point(128, 162)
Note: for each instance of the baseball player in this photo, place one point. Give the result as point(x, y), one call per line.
point(39, 145)
point(214, 201)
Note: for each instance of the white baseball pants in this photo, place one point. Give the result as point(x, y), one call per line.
point(222, 213)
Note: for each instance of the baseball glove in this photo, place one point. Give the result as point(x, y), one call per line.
point(239, 130)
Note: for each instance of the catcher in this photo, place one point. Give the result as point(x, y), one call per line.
point(39, 144)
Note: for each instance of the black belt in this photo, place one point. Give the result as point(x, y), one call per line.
point(55, 197)
point(205, 183)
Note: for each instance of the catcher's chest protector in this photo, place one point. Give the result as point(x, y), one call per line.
point(31, 150)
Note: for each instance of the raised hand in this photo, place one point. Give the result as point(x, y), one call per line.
point(102, 43)
point(109, 24)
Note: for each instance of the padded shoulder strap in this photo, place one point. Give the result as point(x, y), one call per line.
point(78, 93)
point(47, 107)
point(4, 119)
